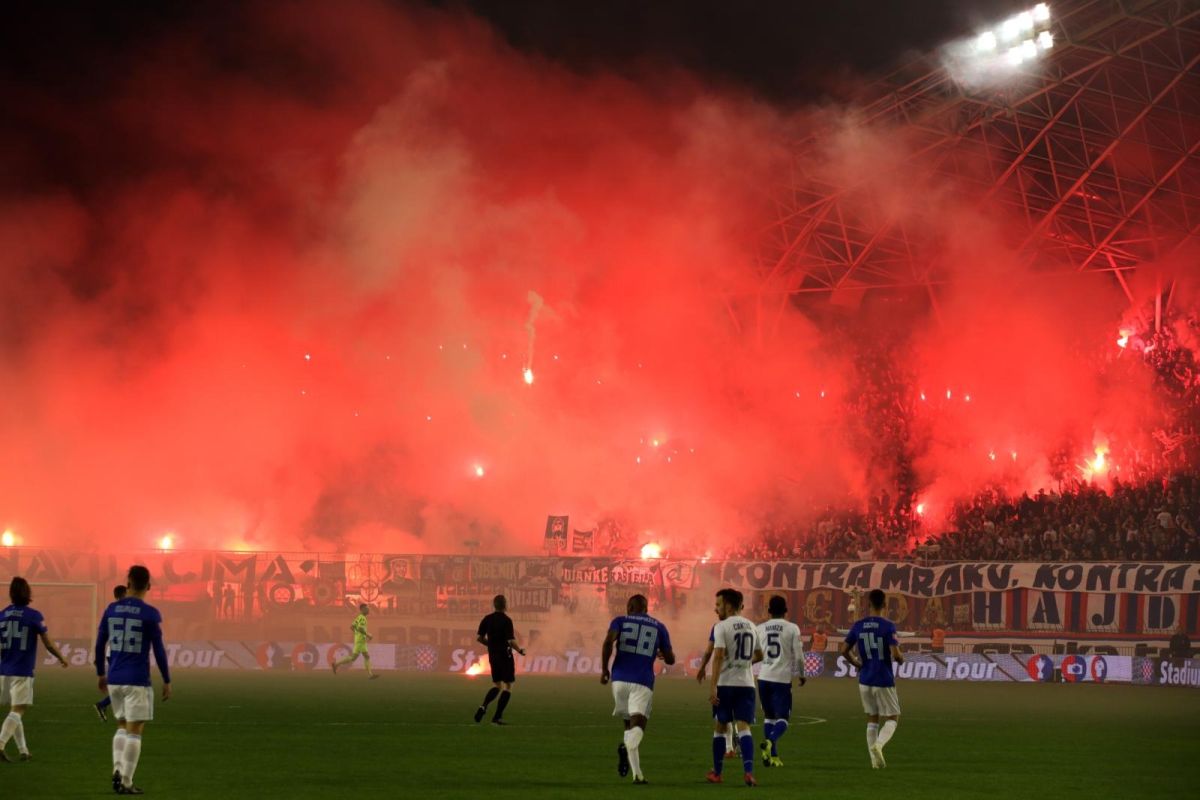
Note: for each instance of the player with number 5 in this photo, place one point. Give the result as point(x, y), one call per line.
point(639, 639)
point(871, 646)
point(129, 630)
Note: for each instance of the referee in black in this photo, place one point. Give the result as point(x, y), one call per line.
point(497, 634)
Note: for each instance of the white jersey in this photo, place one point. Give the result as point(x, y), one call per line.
point(783, 652)
point(738, 637)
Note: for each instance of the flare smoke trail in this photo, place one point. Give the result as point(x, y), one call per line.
point(264, 280)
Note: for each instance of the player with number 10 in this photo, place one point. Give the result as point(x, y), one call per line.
point(735, 648)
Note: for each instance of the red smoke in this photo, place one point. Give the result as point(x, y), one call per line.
point(290, 303)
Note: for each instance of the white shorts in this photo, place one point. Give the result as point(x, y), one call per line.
point(881, 700)
point(16, 690)
point(631, 698)
point(132, 703)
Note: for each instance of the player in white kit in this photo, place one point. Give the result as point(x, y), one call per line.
point(783, 659)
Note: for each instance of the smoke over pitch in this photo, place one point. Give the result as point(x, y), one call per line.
point(287, 299)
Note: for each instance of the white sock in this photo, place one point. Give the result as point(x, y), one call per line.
point(133, 749)
point(19, 737)
point(9, 727)
point(872, 733)
point(118, 748)
point(633, 737)
point(886, 731)
point(729, 740)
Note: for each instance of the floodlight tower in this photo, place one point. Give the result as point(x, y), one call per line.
point(1078, 121)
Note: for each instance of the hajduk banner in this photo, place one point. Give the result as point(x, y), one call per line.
point(921, 581)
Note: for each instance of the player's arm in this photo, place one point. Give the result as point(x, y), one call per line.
point(718, 658)
point(665, 651)
point(798, 649)
point(708, 652)
point(511, 640)
point(758, 653)
point(50, 648)
point(897, 656)
point(160, 658)
point(99, 650)
point(481, 634)
point(606, 651)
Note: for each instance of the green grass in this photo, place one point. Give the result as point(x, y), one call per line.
point(282, 735)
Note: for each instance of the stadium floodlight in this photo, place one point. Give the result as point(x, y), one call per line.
point(8, 539)
point(991, 55)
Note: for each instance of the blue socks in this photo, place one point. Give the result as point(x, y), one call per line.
point(781, 726)
point(746, 739)
point(718, 752)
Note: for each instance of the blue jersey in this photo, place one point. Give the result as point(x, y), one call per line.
point(130, 629)
point(639, 640)
point(20, 627)
point(875, 638)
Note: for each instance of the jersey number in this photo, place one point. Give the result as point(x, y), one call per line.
point(743, 646)
point(124, 635)
point(873, 643)
point(8, 633)
point(773, 647)
point(640, 639)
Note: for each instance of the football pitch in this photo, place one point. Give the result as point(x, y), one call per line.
point(300, 735)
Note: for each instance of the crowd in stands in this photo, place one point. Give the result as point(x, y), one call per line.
point(1151, 521)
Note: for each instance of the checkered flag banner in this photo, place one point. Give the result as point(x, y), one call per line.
point(814, 664)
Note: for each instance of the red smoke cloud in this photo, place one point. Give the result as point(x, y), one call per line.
point(289, 303)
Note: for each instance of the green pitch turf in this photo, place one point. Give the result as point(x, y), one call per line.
point(283, 735)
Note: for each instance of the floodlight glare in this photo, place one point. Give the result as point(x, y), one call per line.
point(1025, 20)
point(1010, 29)
point(1041, 12)
point(1028, 49)
point(1014, 57)
point(1045, 40)
point(986, 42)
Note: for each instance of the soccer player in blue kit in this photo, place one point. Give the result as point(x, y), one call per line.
point(871, 646)
point(639, 640)
point(20, 628)
point(129, 630)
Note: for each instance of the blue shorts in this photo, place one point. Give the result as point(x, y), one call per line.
point(735, 704)
point(776, 699)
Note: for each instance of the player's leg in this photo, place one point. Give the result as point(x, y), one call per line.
point(510, 670)
point(491, 695)
point(723, 718)
point(766, 696)
point(721, 730)
point(139, 710)
point(640, 700)
point(117, 693)
point(783, 713)
point(889, 711)
point(13, 728)
point(367, 663)
point(341, 662)
point(102, 707)
point(620, 693)
point(744, 714)
point(20, 698)
point(872, 712)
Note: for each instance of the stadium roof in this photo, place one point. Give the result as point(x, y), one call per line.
point(1094, 148)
